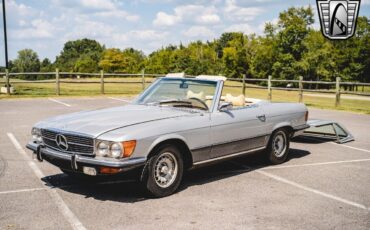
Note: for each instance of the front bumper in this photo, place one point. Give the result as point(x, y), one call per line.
point(77, 162)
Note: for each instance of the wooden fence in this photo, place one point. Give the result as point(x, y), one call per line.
point(245, 83)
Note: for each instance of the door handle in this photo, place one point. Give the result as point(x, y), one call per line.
point(262, 118)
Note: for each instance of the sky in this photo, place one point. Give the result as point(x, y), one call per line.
point(147, 25)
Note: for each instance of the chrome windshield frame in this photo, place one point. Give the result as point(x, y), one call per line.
point(216, 96)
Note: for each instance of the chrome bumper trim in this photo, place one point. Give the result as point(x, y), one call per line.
point(126, 163)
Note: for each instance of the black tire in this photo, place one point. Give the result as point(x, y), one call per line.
point(156, 166)
point(275, 153)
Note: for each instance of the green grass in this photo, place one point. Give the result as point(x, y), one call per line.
point(76, 89)
point(24, 90)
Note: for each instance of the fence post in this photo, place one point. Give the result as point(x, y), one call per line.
point(243, 86)
point(143, 79)
point(269, 97)
point(57, 83)
point(300, 89)
point(7, 81)
point(102, 81)
point(337, 92)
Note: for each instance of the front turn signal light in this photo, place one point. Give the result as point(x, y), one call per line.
point(129, 147)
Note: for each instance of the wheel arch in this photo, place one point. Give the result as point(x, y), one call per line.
point(284, 125)
point(179, 142)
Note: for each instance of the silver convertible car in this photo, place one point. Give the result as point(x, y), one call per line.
point(176, 124)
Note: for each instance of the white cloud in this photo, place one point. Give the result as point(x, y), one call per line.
point(38, 29)
point(85, 27)
point(19, 10)
point(120, 14)
point(209, 19)
point(198, 14)
point(198, 32)
point(238, 13)
point(163, 19)
point(98, 4)
point(147, 35)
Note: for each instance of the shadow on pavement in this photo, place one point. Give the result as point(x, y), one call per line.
point(310, 140)
point(126, 187)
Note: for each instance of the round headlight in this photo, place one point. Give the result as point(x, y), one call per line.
point(116, 150)
point(102, 149)
point(36, 134)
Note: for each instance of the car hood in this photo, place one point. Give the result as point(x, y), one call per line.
point(97, 122)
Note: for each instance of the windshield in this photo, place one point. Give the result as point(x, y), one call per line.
point(188, 93)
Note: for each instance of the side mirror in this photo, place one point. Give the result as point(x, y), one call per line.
point(225, 106)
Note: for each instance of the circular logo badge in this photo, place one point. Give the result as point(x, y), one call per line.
point(61, 142)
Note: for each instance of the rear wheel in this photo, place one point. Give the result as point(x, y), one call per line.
point(163, 172)
point(278, 146)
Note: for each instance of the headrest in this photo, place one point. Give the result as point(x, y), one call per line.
point(199, 95)
point(236, 101)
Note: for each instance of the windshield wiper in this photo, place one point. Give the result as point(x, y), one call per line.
point(181, 103)
point(174, 101)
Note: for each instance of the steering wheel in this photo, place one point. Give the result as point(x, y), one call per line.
point(200, 102)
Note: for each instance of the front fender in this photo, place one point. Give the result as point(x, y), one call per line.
point(165, 138)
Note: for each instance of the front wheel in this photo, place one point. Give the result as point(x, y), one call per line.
point(278, 146)
point(163, 171)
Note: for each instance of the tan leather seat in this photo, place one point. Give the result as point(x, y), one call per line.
point(238, 101)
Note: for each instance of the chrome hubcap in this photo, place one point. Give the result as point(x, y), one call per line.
point(165, 170)
point(279, 144)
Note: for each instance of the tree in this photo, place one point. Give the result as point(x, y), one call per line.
point(317, 62)
point(113, 61)
point(79, 52)
point(128, 60)
point(294, 25)
point(26, 61)
point(85, 64)
point(134, 60)
point(46, 66)
point(159, 62)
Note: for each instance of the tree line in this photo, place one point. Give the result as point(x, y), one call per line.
point(286, 50)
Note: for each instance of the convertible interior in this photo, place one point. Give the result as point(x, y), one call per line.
point(237, 101)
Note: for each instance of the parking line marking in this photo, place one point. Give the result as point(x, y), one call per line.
point(118, 99)
point(21, 190)
point(317, 164)
point(303, 187)
point(54, 100)
point(67, 213)
point(347, 146)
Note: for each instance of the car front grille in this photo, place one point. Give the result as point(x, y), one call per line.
point(78, 144)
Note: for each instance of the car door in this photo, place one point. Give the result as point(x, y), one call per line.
point(237, 130)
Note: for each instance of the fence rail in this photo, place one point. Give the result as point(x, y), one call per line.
point(245, 82)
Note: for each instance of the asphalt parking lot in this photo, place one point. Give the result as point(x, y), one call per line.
point(322, 186)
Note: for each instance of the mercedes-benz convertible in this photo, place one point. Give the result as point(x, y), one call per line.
point(175, 125)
